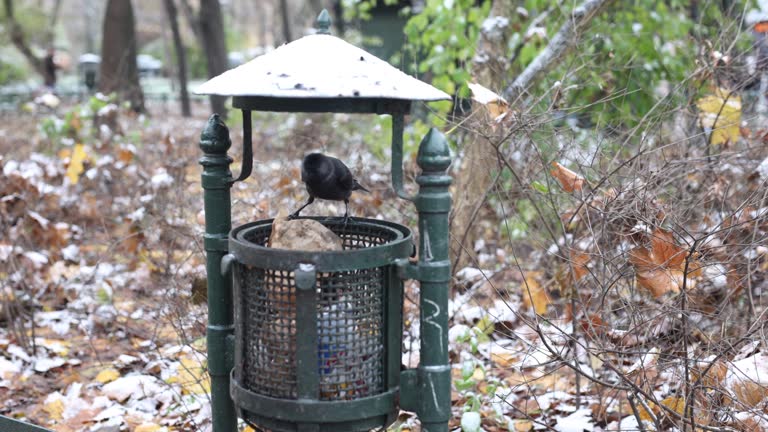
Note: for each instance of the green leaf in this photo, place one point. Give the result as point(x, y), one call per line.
point(540, 187)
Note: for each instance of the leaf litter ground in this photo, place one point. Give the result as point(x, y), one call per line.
point(101, 250)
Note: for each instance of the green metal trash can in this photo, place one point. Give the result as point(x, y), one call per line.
point(318, 335)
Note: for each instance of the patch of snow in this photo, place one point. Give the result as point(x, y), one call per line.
point(71, 253)
point(45, 364)
point(548, 399)
point(579, 421)
point(137, 215)
point(38, 259)
point(470, 274)
point(161, 179)
point(470, 422)
point(133, 386)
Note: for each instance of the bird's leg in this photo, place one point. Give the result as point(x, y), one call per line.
point(346, 212)
point(295, 214)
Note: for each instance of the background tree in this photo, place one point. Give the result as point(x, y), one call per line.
point(20, 39)
point(181, 58)
point(285, 15)
point(208, 28)
point(119, 72)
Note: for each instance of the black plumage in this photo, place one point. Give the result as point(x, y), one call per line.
point(327, 178)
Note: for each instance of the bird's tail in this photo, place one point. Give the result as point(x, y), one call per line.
point(358, 186)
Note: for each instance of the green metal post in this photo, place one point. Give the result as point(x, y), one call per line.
point(8, 424)
point(434, 272)
point(217, 180)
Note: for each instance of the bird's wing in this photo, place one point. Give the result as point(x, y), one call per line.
point(343, 175)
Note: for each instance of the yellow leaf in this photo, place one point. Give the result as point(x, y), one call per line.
point(55, 409)
point(478, 375)
point(149, 427)
point(485, 325)
point(76, 166)
point(676, 404)
point(107, 375)
point(534, 295)
point(192, 376)
point(721, 113)
point(523, 425)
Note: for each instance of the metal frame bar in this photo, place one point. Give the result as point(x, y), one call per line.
point(8, 424)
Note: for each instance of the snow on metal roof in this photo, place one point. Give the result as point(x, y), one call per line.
point(320, 66)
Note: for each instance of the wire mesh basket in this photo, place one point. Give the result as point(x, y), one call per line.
point(328, 352)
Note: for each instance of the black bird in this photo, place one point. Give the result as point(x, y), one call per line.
point(329, 179)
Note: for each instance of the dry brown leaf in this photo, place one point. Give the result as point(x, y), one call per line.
point(534, 295)
point(579, 263)
point(523, 425)
point(503, 359)
point(125, 154)
point(660, 269)
point(569, 180)
point(713, 374)
point(497, 106)
point(747, 379)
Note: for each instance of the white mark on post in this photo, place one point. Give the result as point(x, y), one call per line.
point(434, 397)
point(427, 244)
point(429, 321)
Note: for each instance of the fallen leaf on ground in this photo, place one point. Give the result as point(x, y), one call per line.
point(660, 269)
point(534, 295)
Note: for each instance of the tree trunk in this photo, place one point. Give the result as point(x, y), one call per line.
point(478, 163)
point(338, 17)
point(194, 24)
point(20, 41)
point(285, 16)
point(181, 57)
point(211, 25)
point(119, 72)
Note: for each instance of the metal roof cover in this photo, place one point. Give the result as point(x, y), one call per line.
point(320, 66)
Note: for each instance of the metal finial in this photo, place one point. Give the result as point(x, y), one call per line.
point(434, 154)
point(324, 23)
point(215, 136)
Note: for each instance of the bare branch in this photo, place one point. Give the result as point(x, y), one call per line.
point(19, 41)
point(564, 39)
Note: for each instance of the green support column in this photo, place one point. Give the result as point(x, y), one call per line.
point(217, 180)
point(434, 273)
